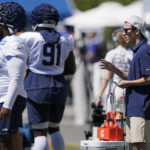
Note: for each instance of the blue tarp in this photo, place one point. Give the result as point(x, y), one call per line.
point(63, 6)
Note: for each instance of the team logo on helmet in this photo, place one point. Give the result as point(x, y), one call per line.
point(12, 15)
point(44, 15)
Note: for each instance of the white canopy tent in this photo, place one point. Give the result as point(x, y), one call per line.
point(106, 14)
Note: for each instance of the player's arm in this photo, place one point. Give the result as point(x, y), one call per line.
point(70, 66)
point(16, 67)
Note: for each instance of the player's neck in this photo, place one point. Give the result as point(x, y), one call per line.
point(18, 33)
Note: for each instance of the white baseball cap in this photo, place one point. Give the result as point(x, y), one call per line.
point(139, 23)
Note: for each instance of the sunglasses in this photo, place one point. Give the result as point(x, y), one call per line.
point(126, 29)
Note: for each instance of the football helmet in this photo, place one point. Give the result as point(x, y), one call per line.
point(13, 16)
point(44, 15)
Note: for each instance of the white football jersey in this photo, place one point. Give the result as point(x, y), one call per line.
point(10, 78)
point(46, 58)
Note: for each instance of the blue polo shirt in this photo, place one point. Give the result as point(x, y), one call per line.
point(138, 98)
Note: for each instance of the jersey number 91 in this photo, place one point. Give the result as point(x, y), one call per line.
point(53, 52)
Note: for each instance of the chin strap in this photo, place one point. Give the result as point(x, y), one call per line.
point(11, 31)
point(9, 27)
point(45, 25)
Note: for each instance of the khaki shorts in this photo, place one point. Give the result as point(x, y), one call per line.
point(137, 130)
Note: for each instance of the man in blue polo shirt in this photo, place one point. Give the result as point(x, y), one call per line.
point(137, 84)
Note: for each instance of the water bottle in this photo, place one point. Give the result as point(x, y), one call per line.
point(119, 119)
point(112, 101)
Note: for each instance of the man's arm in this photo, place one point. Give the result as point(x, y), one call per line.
point(139, 82)
point(109, 66)
point(70, 66)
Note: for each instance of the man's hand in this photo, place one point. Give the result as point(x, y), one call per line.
point(4, 113)
point(106, 65)
point(110, 67)
point(123, 84)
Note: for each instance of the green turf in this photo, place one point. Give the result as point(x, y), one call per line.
point(68, 147)
point(72, 147)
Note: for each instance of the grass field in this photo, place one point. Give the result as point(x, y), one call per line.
point(72, 147)
point(69, 147)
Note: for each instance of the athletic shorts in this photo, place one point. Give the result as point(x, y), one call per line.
point(42, 116)
point(137, 130)
point(46, 89)
point(12, 124)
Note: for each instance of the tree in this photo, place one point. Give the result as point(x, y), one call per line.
point(88, 4)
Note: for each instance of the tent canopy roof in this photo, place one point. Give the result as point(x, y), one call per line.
point(106, 14)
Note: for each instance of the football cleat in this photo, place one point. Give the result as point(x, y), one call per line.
point(44, 15)
point(12, 15)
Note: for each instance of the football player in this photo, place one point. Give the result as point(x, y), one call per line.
point(50, 58)
point(13, 55)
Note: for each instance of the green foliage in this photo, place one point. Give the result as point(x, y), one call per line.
point(107, 33)
point(88, 4)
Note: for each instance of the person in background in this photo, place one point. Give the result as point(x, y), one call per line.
point(92, 43)
point(137, 84)
point(50, 58)
point(13, 56)
point(121, 58)
point(95, 50)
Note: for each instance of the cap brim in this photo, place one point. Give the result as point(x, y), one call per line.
point(144, 35)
